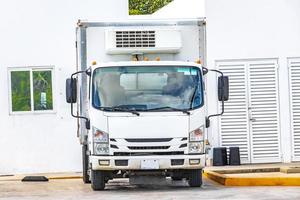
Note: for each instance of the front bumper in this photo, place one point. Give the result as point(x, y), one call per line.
point(134, 162)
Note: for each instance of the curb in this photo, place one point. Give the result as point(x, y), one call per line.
point(19, 178)
point(252, 181)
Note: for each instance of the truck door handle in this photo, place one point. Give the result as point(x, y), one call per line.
point(252, 120)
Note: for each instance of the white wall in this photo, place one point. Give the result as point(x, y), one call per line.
point(256, 29)
point(42, 33)
point(35, 33)
point(182, 9)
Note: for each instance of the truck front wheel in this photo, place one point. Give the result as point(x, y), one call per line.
point(97, 180)
point(195, 178)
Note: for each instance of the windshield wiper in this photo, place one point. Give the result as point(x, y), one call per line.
point(124, 109)
point(120, 108)
point(170, 108)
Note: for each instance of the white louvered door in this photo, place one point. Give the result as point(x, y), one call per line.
point(263, 111)
point(234, 123)
point(251, 119)
point(294, 73)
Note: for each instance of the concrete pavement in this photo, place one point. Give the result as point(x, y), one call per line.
point(66, 189)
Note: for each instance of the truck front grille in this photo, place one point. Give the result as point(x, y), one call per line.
point(148, 153)
point(148, 139)
point(148, 147)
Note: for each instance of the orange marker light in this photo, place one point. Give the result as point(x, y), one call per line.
point(146, 59)
point(94, 63)
point(198, 61)
point(157, 58)
point(207, 142)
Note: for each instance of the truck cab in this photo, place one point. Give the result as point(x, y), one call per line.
point(143, 120)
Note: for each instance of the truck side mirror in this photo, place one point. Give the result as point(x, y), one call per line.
point(71, 90)
point(223, 88)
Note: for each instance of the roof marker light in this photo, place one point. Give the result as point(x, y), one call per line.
point(198, 61)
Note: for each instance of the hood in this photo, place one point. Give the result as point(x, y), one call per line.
point(148, 126)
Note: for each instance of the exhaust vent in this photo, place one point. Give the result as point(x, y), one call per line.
point(129, 41)
point(133, 39)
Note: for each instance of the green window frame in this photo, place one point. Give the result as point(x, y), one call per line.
point(31, 89)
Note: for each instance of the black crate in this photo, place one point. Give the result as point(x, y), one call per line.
point(219, 156)
point(234, 156)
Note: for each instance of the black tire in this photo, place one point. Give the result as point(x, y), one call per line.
point(85, 165)
point(195, 178)
point(97, 180)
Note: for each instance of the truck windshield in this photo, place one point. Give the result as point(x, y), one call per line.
point(147, 88)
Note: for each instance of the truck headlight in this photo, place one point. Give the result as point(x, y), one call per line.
point(100, 148)
point(197, 135)
point(196, 147)
point(196, 141)
point(101, 142)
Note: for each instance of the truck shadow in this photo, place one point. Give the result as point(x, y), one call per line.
point(123, 185)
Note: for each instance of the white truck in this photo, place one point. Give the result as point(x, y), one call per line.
point(140, 101)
